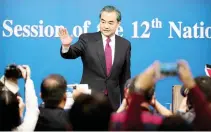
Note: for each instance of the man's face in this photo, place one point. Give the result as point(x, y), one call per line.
point(108, 23)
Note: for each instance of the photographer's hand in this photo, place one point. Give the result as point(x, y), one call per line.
point(185, 74)
point(148, 78)
point(26, 71)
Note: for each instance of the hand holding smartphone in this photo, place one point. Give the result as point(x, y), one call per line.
point(167, 69)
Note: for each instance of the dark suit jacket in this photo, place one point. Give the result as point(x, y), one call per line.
point(52, 119)
point(90, 48)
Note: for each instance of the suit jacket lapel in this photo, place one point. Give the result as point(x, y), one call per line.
point(116, 54)
point(100, 51)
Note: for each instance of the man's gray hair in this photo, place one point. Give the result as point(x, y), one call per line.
point(112, 9)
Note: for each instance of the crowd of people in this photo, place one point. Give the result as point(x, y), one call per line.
point(94, 111)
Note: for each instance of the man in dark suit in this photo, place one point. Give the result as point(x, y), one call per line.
point(105, 56)
point(52, 116)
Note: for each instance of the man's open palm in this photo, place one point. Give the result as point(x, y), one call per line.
point(65, 38)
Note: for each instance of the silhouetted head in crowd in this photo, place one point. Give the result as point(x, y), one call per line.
point(204, 84)
point(129, 88)
point(90, 112)
point(175, 123)
point(53, 91)
point(9, 109)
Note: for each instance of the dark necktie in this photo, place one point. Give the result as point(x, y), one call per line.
point(108, 58)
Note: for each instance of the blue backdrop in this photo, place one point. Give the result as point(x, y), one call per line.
point(28, 35)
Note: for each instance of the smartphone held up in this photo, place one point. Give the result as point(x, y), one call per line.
point(167, 69)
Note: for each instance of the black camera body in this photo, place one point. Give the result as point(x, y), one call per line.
point(12, 71)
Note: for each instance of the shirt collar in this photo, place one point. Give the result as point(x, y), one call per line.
point(105, 38)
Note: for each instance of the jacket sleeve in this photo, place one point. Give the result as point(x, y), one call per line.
point(125, 74)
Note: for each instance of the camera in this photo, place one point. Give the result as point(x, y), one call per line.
point(12, 71)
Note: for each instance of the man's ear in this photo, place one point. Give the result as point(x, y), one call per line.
point(65, 96)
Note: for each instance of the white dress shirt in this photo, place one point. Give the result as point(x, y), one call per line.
point(32, 110)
